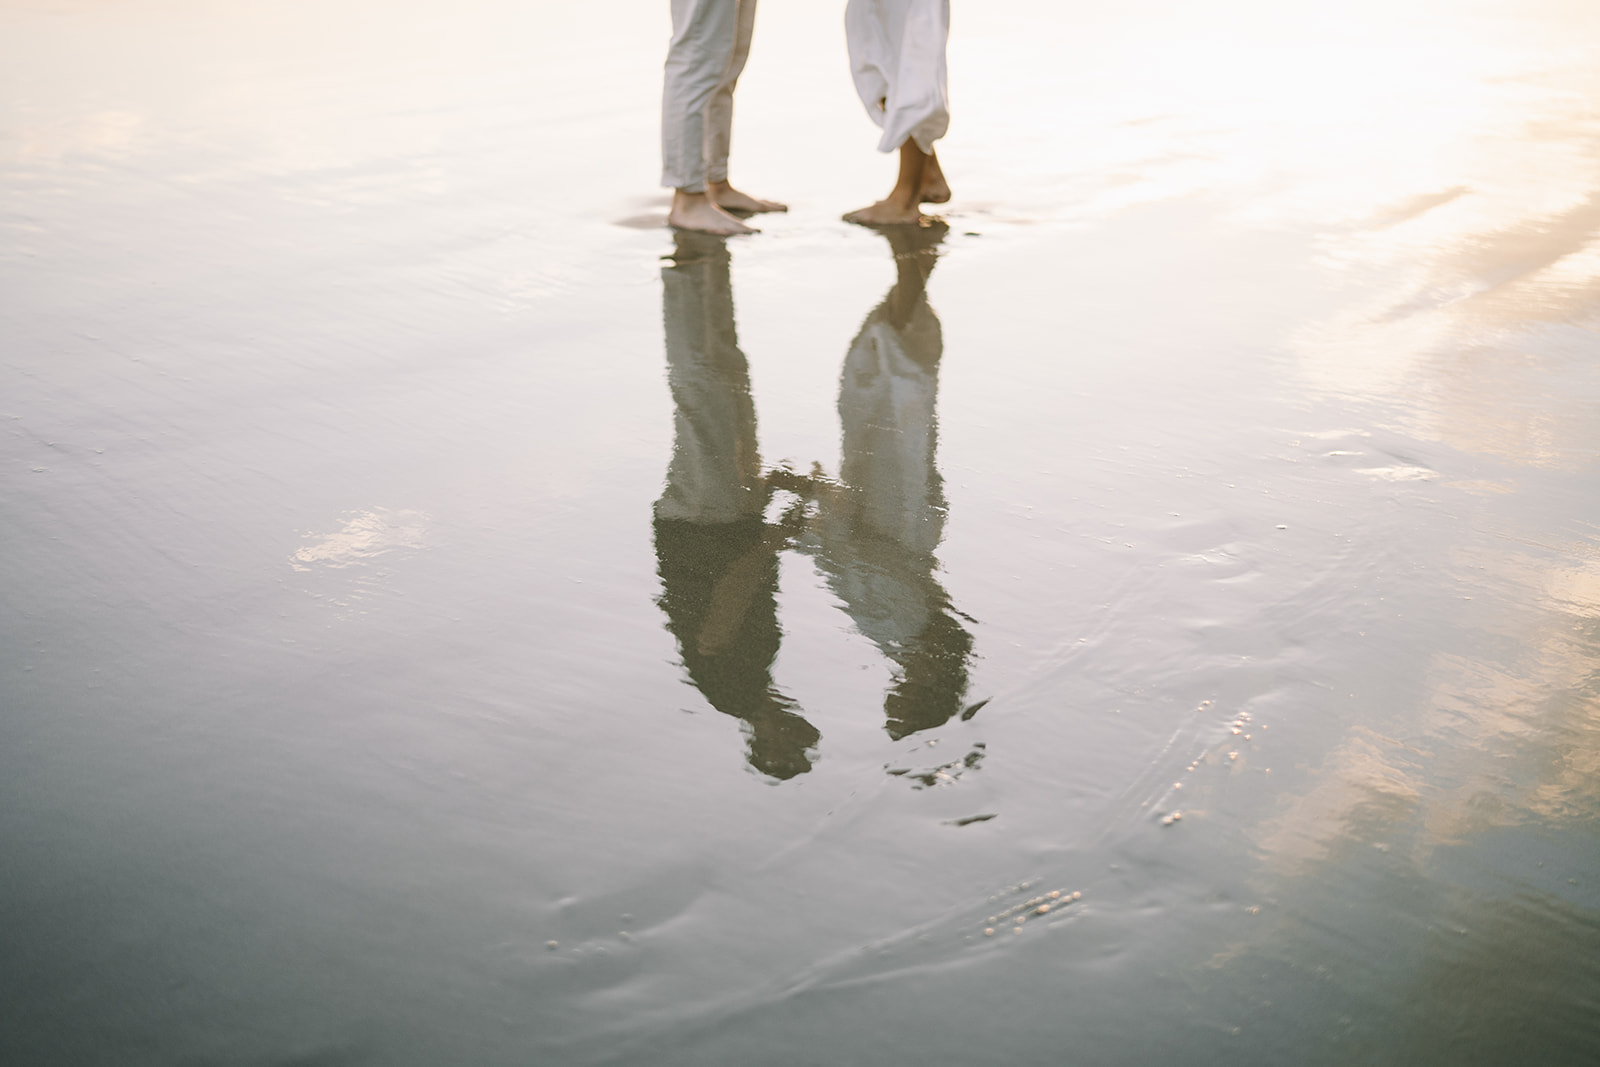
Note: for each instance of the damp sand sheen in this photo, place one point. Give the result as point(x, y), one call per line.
point(1152, 611)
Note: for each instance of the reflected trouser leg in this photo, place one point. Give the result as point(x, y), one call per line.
point(715, 473)
point(704, 35)
point(719, 111)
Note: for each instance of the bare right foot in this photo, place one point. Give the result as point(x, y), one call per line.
point(935, 190)
point(695, 211)
point(919, 179)
point(890, 212)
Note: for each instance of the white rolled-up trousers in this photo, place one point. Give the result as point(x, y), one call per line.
point(897, 61)
point(710, 43)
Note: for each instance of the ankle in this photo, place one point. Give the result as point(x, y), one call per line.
point(905, 198)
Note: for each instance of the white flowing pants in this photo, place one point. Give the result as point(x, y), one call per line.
point(710, 43)
point(897, 61)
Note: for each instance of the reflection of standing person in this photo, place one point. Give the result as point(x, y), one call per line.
point(897, 58)
point(710, 43)
point(876, 535)
point(717, 558)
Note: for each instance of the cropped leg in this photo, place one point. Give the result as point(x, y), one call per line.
point(719, 112)
point(704, 35)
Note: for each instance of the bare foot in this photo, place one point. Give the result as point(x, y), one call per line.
point(695, 211)
point(885, 213)
point(728, 198)
point(935, 190)
point(919, 176)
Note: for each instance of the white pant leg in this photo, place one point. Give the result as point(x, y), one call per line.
point(897, 59)
point(719, 112)
point(704, 33)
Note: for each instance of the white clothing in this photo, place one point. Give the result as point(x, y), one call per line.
point(876, 542)
point(897, 61)
point(710, 43)
point(887, 395)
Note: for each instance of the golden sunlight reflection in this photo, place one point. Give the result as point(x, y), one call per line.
point(364, 537)
point(1470, 215)
point(1342, 122)
point(1521, 736)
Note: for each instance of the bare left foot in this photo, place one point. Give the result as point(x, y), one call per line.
point(725, 196)
point(886, 213)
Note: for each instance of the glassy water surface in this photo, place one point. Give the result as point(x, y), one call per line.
point(1151, 612)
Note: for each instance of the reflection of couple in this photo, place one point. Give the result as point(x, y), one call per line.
point(897, 58)
point(872, 533)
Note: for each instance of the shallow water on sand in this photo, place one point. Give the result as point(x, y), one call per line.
point(1153, 612)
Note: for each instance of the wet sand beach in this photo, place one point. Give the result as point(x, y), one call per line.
point(1150, 613)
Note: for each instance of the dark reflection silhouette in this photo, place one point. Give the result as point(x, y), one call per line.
point(716, 555)
point(872, 534)
point(875, 534)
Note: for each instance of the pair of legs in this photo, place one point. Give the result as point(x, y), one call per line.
point(897, 61)
point(920, 181)
point(710, 43)
point(711, 211)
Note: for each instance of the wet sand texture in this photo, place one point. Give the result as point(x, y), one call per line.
point(1152, 615)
